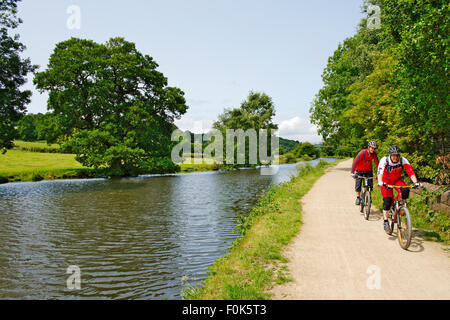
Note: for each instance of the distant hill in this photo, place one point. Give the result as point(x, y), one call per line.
point(287, 145)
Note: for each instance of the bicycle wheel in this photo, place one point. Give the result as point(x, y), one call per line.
point(367, 205)
point(404, 228)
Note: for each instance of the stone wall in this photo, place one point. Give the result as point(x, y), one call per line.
point(440, 202)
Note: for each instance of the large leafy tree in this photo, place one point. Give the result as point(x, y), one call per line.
point(112, 105)
point(13, 72)
point(422, 29)
point(256, 112)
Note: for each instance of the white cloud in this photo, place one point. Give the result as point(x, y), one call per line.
point(194, 125)
point(299, 129)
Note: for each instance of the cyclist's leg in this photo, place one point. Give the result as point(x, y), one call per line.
point(388, 197)
point(370, 181)
point(358, 184)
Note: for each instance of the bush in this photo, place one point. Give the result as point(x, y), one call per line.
point(3, 180)
point(37, 177)
point(429, 168)
point(290, 158)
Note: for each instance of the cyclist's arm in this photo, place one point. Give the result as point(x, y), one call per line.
point(357, 159)
point(380, 171)
point(409, 170)
point(375, 158)
point(380, 178)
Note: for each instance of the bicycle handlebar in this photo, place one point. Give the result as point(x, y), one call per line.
point(368, 178)
point(399, 187)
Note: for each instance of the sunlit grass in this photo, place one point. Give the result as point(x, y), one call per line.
point(18, 165)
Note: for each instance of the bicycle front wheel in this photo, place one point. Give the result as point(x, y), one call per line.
point(367, 205)
point(404, 228)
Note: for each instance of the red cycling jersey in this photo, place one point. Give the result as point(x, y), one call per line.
point(363, 161)
point(392, 172)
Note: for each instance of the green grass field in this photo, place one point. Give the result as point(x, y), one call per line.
point(18, 165)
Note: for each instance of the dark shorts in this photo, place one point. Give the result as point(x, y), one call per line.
point(359, 181)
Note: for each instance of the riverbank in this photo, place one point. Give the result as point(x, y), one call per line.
point(22, 165)
point(36, 161)
point(255, 263)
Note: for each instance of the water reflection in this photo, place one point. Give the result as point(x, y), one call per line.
point(132, 238)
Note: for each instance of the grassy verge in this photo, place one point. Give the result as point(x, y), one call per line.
point(255, 261)
point(433, 225)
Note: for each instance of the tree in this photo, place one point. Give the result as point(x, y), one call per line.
point(422, 70)
point(13, 72)
point(256, 113)
point(112, 107)
point(306, 148)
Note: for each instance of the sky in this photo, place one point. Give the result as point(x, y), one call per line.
point(216, 51)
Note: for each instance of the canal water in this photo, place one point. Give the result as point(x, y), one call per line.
point(135, 238)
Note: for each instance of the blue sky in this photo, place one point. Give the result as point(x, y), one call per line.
point(215, 51)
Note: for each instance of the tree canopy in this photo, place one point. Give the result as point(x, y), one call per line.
point(13, 72)
point(256, 112)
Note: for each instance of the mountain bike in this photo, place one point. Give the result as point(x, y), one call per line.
point(399, 214)
point(366, 197)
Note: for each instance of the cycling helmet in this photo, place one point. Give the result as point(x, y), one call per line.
point(373, 144)
point(395, 150)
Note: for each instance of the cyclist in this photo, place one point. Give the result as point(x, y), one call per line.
point(390, 172)
point(362, 166)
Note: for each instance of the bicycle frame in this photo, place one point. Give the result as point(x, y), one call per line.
point(395, 206)
point(366, 180)
point(365, 192)
point(403, 220)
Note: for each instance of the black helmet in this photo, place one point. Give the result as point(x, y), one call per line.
point(395, 150)
point(373, 144)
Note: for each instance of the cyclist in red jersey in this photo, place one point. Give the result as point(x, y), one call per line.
point(362, 166)
point(390, 173)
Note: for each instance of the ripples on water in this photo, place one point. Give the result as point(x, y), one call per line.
point(132, 238)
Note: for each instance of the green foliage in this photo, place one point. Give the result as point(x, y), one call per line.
point(111, 106)
point(26, 128)
point(287, 145)
point(290, 157)
point(307, 149)
point(13, 72)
